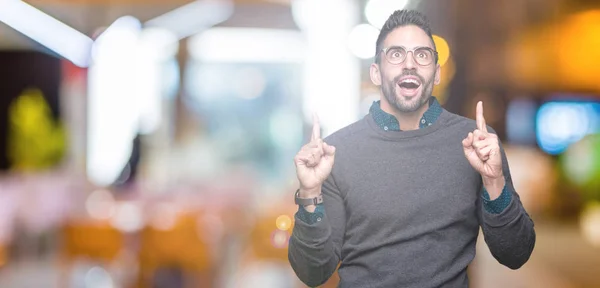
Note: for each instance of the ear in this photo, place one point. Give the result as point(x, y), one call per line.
point(375, 74)
point(438, 74)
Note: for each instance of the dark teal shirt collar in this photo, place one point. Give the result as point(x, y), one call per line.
point(389, 122)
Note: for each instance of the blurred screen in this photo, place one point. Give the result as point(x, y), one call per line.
point(561, 123)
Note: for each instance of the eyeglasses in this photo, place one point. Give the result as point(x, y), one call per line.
point(397, 55)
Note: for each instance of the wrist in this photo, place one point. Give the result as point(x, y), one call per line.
point(310, 208)
point(309, 193)
point(494, 186)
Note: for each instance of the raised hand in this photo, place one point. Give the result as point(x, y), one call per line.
point(482, 149)
point(314, 163)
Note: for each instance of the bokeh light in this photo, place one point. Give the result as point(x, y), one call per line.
point(581, 164)
point(362, 40)
point(378, 11)
point(590, 223)
point(559, 124)
point(279, 238)
point(441, 45)
point(100, 204)
point(98, 277)
point(578, 49)
point(128, 217)
point(283, 222)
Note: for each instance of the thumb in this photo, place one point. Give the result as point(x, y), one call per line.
point(328, 149)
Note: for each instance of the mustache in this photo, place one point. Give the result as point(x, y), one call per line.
point(409, 72)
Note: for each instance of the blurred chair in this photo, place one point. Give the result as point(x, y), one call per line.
point(91, 240)
point(266, 251)
point(264, 261)
point(179, 248)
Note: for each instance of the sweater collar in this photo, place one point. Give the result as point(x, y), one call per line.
point(388, 122)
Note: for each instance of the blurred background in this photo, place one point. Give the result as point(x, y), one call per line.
point(149, 143)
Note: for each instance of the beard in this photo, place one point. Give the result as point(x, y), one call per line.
point(405, 104)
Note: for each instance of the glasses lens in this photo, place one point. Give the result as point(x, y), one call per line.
point(423, 56)
point(395, 55)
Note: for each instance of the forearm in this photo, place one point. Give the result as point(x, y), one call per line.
point(311, 249)
point(510, 235)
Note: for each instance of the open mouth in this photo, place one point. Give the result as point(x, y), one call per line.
point(409, 85)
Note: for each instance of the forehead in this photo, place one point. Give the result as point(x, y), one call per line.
point(408, 36)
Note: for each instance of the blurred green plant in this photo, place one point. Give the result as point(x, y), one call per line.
point(581, 166)
point(35, 140)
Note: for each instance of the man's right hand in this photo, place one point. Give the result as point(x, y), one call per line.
point(314, 163)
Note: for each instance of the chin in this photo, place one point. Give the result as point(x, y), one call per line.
point(412, 104)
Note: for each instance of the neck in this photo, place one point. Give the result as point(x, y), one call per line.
point(407, 120)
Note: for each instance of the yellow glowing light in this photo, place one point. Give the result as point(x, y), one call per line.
point(590, 223)
point(443, 49)
point(283, 222)
point(578, 50)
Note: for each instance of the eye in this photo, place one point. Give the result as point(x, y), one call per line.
point(395, 53)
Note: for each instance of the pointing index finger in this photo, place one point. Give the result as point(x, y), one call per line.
point(479, 117)
point(316, 132)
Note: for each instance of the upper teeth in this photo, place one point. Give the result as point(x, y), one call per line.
point(410, 81)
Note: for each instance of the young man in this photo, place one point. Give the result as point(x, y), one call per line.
point(411, 185)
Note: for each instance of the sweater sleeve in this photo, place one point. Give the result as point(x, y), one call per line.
point(316, 241)
point(497, 205)
point(509, 234)
point(308, 217)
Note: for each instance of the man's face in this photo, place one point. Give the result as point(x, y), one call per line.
point(406, 86)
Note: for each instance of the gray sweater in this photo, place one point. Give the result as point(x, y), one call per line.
point(403, 209)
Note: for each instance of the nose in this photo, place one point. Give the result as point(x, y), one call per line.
point(409, 62)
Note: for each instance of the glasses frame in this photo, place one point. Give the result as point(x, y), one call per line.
point(412, 51)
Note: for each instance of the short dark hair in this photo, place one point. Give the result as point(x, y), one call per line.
point(402, 18)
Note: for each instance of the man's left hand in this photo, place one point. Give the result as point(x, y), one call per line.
point(482, 149)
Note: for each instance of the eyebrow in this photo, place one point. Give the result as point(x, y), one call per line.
point(406, 48)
